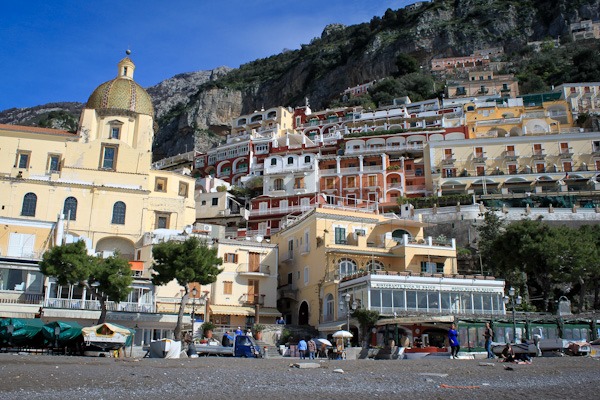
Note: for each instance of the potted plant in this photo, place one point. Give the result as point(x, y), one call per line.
point(208, 328)
point(258, 329)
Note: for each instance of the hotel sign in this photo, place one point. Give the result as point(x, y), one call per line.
point(412, 286)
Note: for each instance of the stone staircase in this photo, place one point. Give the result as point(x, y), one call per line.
point(271, 351)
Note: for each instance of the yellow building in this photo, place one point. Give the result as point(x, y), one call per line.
point(95, 185)
point(561, 163)
point(527, 115)
point(330, 252)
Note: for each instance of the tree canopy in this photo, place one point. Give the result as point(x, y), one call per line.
point(542, 261)
point(107, 278)
point(190, 261)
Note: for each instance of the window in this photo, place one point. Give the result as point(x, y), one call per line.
point(448, 154)
point(53, 163)
point(70, 208)
point(203, 202)
point(215, 201)
point(29, 204)
point(278, 184)
point(183, 189)
point(109, 157)
point(340, 235)
point(273, 161)
point(115, 132)
point(230, 257)
point(299, 183)
point(432, 268)
point(449, 172)
point(347, 267)
point(162, 221)
point(227, 287)
point(23, 159)
point(290, 160)
point(306, 159)
point(306, 276)
point(290, 249)
point(329, 183)
point(567, 166)
point(118, 215)
point(351, 181)
point(360, 232)
point(512, 169)
point(480, 170)
point(372, 180)
point(160, 185)
point(328, 309)
point(479, 152)
point(540, 167)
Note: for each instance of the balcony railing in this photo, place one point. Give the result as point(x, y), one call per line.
point(95, 305)
point(280, 210)
point(246, 268)
point(251, 298)
point(510, 155)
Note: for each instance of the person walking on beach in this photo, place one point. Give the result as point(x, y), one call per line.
point(454, 343)
point(312, 348)
point(488, 335)
point(302, 347)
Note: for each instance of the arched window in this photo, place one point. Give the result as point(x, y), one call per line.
point(306, 159)
point(398, 235)
point(329, 308)
point(118, 215)
point(347, 267)
point(375, 265)
point(290, 160)
point(29, 204)
point(273, 161)
point(70, 208)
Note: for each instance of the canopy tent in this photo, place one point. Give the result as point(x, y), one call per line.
point(67, 332)
point(25, 332)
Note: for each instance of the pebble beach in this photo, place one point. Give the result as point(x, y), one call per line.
point(59, 377)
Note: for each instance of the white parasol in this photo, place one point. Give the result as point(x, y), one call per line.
point(342, 334)
point(324, 341)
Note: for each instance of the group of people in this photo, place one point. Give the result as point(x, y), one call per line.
point(307, 346)
point(227, 340)
point(507, 355)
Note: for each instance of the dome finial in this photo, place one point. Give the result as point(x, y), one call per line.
point(128, 52)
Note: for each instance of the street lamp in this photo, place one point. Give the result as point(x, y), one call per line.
point(56, 335)
point(513, 301)
point(346, 300)
point(10, 329)
point(194, 293)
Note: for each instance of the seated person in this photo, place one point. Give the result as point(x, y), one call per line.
point(508, 354)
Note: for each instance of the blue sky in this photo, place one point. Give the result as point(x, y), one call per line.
point(61, 50)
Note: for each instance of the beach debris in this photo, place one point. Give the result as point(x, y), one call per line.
point(339, 371)
point(305, 365)
point(444, 386)
point(508, 368)
point(433, 374)
point(486, 364)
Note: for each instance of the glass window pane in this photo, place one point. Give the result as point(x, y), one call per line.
point(399, 299)
point(411, 299)
point(375, 298)
point(422, 300)
point(386, 296)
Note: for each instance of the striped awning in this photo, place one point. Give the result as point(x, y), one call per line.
point(243, 310)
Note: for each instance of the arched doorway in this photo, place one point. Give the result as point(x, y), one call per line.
point(303, 314)
point(111, 244)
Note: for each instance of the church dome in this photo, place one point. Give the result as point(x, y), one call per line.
point(122, 93)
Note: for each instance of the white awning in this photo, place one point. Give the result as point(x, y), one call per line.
point(244, 310)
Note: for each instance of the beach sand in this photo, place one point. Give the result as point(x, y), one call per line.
point(59, 377)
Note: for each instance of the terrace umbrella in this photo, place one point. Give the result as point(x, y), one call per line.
point(342, 334)
point(324, 341)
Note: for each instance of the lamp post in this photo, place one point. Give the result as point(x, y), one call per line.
point(260, 301)
point(10, 329)
point(194, 293)
point(346, 300)
point(512, 300)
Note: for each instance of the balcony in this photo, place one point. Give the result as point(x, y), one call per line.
point(538, 154)
point(280, 210)
point(253, 299)
point(479, 158)
point(94, 305)
point(288, 292)
point(269, 170)
point(596, 151)
point(448, 160)
point(510, 155)
point(253, 270)
point(566, 153)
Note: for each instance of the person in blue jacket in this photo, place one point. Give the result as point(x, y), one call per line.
point(454, 343)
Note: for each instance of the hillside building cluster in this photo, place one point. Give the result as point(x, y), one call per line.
point(316, 230)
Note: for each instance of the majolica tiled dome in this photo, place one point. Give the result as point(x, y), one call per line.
point(122, 93)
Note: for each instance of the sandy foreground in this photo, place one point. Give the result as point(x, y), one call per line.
point(59, 377)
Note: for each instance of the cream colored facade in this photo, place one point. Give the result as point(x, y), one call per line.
point(95, 185)
point(247, 285)
point(331, 247)
point(515, 164)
